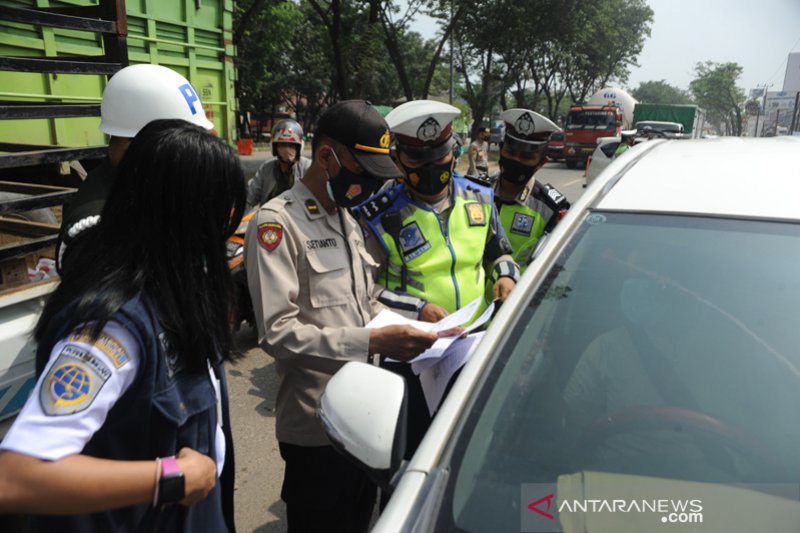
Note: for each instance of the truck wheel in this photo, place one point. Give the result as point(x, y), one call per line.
point(572, 163)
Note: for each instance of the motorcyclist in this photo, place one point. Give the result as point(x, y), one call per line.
point(528, 209)
point(279, 174)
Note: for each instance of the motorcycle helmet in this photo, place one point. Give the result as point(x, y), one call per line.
point(287, 131)
point(139, 94)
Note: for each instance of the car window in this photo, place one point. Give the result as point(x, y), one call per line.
point(658, 346)
point(609, 148)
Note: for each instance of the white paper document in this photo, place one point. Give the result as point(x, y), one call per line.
point(435, 377)
point(388, 318)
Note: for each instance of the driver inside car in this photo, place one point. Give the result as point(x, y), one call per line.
point(632, 401)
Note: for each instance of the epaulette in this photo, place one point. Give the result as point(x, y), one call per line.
point(550, 195)
point(485, 180)
point(376, 205)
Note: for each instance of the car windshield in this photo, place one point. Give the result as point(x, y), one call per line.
point(661, 347)
point(591, 119)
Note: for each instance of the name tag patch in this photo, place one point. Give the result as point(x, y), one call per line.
point(475, 214)
point(107, 344)
point(522, 224)
point(72, 383)
point(316, 244)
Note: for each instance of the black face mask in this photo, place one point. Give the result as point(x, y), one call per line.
point(349, 189)
point(430, 178)
point(514, 171)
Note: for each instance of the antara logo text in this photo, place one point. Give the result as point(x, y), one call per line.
point(671, 511)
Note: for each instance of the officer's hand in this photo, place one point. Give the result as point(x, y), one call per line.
point(400, 342)
point(432, 313)
point(199, 474)
point(502, 288)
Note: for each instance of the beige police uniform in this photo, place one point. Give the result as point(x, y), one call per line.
point(308, 273)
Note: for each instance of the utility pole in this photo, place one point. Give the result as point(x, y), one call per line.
point(452, 30)
point(762, 107)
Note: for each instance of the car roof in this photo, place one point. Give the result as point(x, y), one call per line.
point(728, 176)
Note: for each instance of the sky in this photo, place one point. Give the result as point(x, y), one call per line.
point(756, 34)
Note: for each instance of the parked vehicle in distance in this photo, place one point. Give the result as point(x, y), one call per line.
point(691, 117)
point(555, 146)
point(655, 128)
point(642, 356)
point(603, 156)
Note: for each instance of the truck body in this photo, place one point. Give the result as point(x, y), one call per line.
point(54, 64)
point(691, 116)
point(586, 124)
point(605, 114)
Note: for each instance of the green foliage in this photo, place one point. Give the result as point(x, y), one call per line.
point(714, 89)
point(660, 92)
point(300, 55)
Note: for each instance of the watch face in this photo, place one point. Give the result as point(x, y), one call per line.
point(171, 488)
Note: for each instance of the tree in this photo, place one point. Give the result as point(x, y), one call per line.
point(715, 90)
point(660, 92)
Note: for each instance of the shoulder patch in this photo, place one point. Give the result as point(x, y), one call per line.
point(107, 344)
point(551, 196)
point(270, 235)
point(73, 381)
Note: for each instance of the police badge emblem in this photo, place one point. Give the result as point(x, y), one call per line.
point(475, 214)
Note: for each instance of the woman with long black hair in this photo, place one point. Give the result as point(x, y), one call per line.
point(127, 428)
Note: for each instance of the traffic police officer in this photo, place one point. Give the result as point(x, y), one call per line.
point(528, 209)
point(436, 232)
point(309, 277)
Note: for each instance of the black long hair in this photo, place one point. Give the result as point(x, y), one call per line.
point(178, 194)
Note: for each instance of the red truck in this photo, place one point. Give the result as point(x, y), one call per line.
point(584, 125)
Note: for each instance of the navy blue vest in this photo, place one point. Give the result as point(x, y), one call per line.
point(166, 408)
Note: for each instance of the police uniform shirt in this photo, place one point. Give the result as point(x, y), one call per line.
point(79, 386)
point(309, 278)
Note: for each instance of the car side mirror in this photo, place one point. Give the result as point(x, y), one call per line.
point(363, 411)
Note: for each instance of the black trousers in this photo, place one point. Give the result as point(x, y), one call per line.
point(419, 419)
point(324, 492)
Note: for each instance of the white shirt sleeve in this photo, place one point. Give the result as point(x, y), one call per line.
point(79, 386)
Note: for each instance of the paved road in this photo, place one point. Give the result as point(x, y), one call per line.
point(253, 387)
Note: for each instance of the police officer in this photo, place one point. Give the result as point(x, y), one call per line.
point(129, 416)
point(436, 232)
point(287, 165)
point(308, 272)
point(133, 97)
point(627, 138)
point(528, 209)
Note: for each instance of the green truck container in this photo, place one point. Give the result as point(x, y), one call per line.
point(192, 37)
point(691, 116)
point(55, 60)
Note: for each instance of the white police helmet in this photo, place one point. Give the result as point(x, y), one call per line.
point(423, 128)
point(139, 94)
point(526, 131)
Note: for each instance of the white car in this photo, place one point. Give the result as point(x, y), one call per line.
point(644, 375)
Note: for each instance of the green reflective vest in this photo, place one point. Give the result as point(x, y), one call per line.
point(439, 261)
